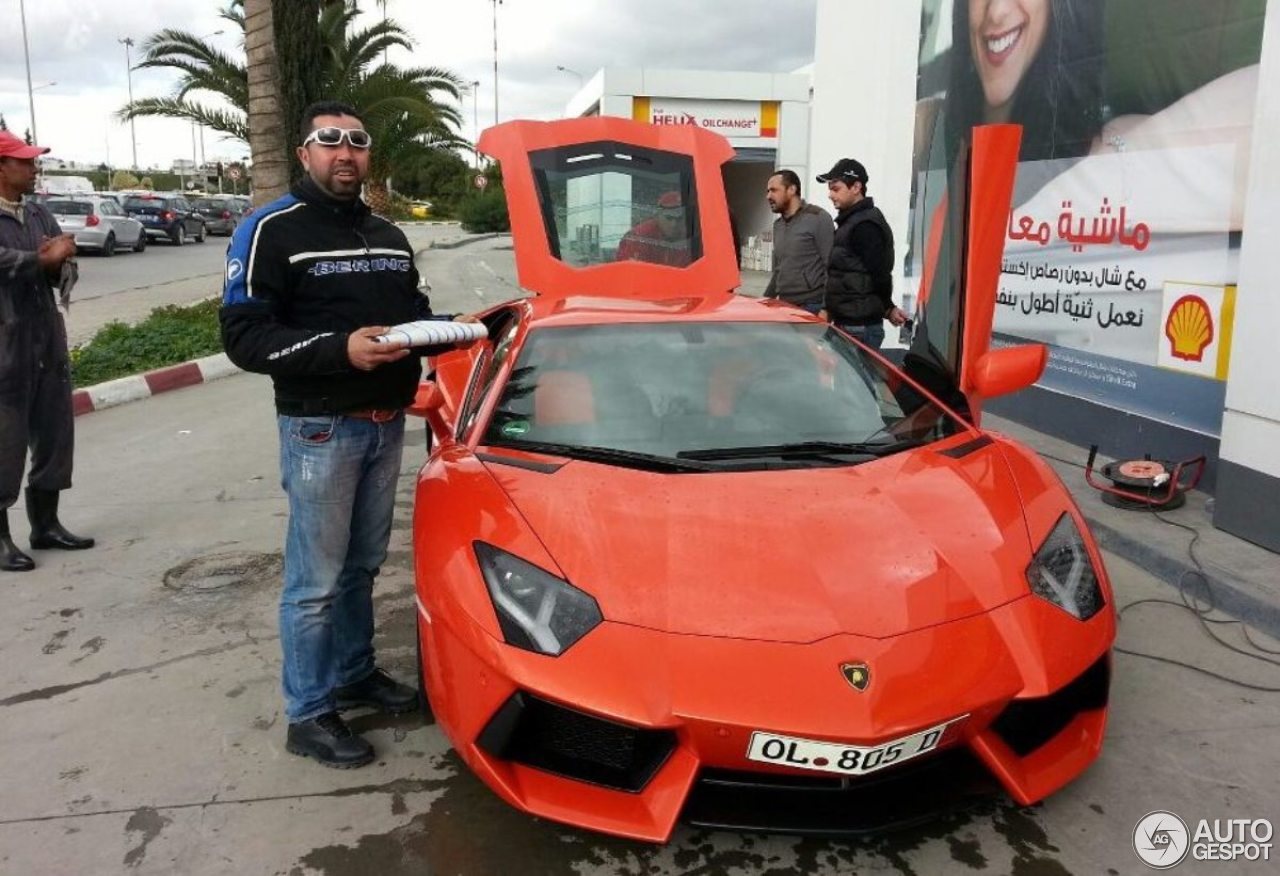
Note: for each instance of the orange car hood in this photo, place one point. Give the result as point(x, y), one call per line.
point(902, 543)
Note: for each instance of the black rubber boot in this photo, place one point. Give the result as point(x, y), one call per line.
point(378, 691)
point(46, 532)
point(11, 559)
point(329, 740)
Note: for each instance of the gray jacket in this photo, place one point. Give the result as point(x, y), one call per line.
point(31, 327)
point(801, 250)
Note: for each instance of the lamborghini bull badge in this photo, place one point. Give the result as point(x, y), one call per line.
point(857, 674)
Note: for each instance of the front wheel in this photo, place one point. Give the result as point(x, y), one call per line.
point(141, 243)
point(424, 705)
point(200, 234)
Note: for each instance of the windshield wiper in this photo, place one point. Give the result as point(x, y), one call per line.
point(609, 455)
point(803, 449)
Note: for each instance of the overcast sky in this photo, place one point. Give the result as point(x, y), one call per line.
point(75, 43)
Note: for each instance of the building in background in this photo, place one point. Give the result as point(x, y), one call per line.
point(1145, 228)
point(765, 116)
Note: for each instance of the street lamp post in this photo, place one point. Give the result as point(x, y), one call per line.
point(196, 126)
point(26, 54)
point(572, 72)
point(475, 116)
point(128, 68)
point(496, 4)
point(34, 89)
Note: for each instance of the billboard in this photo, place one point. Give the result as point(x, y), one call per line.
point(1122, 243)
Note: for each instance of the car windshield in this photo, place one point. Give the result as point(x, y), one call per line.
point(70, 208)
point(746, 395)
point(144, 204)
point(210, 204)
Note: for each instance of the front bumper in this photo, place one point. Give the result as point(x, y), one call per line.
point(705, 696)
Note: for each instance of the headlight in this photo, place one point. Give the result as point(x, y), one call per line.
point(1062, 573)
point(536, 610)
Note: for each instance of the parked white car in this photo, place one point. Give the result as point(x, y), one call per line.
point(98, 223)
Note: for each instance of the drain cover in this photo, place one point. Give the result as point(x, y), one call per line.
point(222, 571)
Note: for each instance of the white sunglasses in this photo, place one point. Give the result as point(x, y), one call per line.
point(358, 137)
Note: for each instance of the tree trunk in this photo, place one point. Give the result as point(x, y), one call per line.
point(267, 135)
point(377, 196)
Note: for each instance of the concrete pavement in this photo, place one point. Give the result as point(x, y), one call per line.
point(142, 730)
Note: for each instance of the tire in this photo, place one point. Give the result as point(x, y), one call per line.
point(179, 236)
point(200, 235)
point(141, 244)
point(424, 705)
point(109, 246)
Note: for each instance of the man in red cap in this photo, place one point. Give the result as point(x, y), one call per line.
point(662, 239)
point(35, 376)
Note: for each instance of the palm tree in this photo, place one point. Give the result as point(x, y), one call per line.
point(265, 130)
point(404, 108)
point(399, 106)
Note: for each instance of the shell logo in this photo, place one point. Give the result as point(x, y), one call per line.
point(1189, 328)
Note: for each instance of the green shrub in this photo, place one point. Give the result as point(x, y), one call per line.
point(485, 212)
point(168, 336)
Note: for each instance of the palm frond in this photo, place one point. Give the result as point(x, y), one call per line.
point(230, 122)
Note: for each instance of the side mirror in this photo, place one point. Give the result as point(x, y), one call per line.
point(429, 403)
point(1000, 372)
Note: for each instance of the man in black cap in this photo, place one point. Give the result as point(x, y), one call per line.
point(35, 378)
point(860, 274)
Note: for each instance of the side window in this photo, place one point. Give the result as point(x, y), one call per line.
point(503, 331)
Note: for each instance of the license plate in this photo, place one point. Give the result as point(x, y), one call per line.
point(845, 760)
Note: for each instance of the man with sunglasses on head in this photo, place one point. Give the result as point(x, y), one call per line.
point(859, 296)
point(312, 280)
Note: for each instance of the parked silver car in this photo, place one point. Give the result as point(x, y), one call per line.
point(98, 223)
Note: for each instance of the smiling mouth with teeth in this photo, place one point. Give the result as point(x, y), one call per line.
point(1000, 45)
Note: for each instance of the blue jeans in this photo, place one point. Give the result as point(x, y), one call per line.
point(340, 475)
point(871, 335)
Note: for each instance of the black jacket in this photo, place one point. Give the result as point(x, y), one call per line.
point(860, 274)
point(304, 272)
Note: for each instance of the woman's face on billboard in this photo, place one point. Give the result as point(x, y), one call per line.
point(1004, 36)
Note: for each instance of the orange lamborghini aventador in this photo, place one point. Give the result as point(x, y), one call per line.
point(683, 554)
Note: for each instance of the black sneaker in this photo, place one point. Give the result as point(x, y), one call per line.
point(378, 691)
point(329, 740)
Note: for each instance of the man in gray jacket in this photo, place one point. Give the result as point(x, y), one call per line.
point(802, 237)
point(35, 379)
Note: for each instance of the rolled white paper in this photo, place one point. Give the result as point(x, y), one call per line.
point(429, 332)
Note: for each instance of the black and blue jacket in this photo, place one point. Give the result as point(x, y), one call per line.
point(305, 271)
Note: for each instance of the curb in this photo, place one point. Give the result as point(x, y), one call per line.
point(139, 386)
point(1227, 592)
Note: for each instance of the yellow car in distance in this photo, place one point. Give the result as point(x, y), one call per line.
point(420, 209)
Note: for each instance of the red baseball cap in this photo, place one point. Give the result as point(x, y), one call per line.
point(16, 147)
point(670, 200)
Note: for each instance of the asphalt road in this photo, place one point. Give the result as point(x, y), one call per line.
point(159, 264)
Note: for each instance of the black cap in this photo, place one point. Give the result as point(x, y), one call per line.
point(846, 170)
